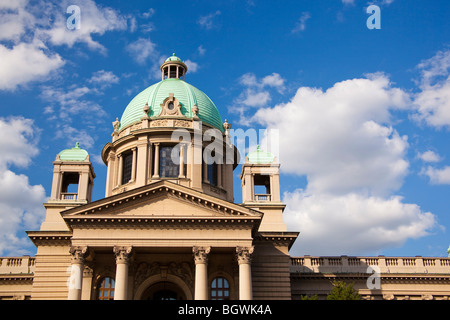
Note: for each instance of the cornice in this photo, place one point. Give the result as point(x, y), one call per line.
point(50, 237)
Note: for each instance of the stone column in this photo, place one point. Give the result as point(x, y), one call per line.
point(201, 272)
point(156, 168)
point(133, 165)
point(119, 175)
point(181, 171)
point(122, 258)
point(76, 272)
point(243, 255)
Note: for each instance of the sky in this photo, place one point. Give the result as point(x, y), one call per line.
point(362, 113)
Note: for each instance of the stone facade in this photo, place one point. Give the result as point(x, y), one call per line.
point(170, 229)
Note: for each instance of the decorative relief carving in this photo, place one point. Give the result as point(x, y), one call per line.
point(182, 270)
point(182, 123)
point(171, 106)
point(160, 123)
point(136, 126)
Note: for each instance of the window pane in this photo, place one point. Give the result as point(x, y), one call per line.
point(127, 164)
point(212, 173)
point(167, 167)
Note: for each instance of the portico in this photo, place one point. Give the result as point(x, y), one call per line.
point(167, 233)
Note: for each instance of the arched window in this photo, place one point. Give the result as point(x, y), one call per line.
point(220, 289)
point(106, 289)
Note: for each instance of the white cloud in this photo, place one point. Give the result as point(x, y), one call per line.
point(437, 176)
point(201, 50)
point(104, 78)
point(429, 156)
point(95, 20)
point(18, 141)
point(301, 23)
point(433, 101)
point(73, 101)
point(72, 135)
point(26, 62)
point(346, 2)
point(207, 21)
point(255, 93)
point(142, 50)
point(342, 139)
point(192, 66)
point(352, 224)
point(27, 28)
point(20, 203)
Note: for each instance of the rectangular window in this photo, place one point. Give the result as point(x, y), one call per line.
point(212, 173)
point(127, 165)
point(167, 167)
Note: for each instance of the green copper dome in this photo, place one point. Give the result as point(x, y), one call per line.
point(74, 154)
point(187, 95)
point(260, 157)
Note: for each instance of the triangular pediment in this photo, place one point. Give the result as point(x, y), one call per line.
point(159, 200)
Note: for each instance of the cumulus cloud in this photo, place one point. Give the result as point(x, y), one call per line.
point(343, 140)
point(343, 137)
point(142, 50)
point(20, 203)
point(437, 176)
point(255, 93)
point(95, 20)
point(192, 66)
point(104, 78)
point(28, 29)
point(433, 100)
point(26, 62)
point(429, 156)
point(352, 223)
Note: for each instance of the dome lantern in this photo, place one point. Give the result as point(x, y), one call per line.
point(173, 68)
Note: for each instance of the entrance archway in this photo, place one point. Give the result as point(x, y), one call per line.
point(163, 290)
point(168, 288)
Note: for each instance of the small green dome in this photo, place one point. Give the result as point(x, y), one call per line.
point(260, 157)
point(173, 58)
point(74, 154)
point(187, 95)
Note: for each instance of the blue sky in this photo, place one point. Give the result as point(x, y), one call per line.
point(363, 114)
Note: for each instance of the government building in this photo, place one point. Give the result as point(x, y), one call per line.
point(168, 227)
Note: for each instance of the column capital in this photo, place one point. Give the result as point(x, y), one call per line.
point(78, 254)
point(244, 254)
point(122, 254)
point(201, 254)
